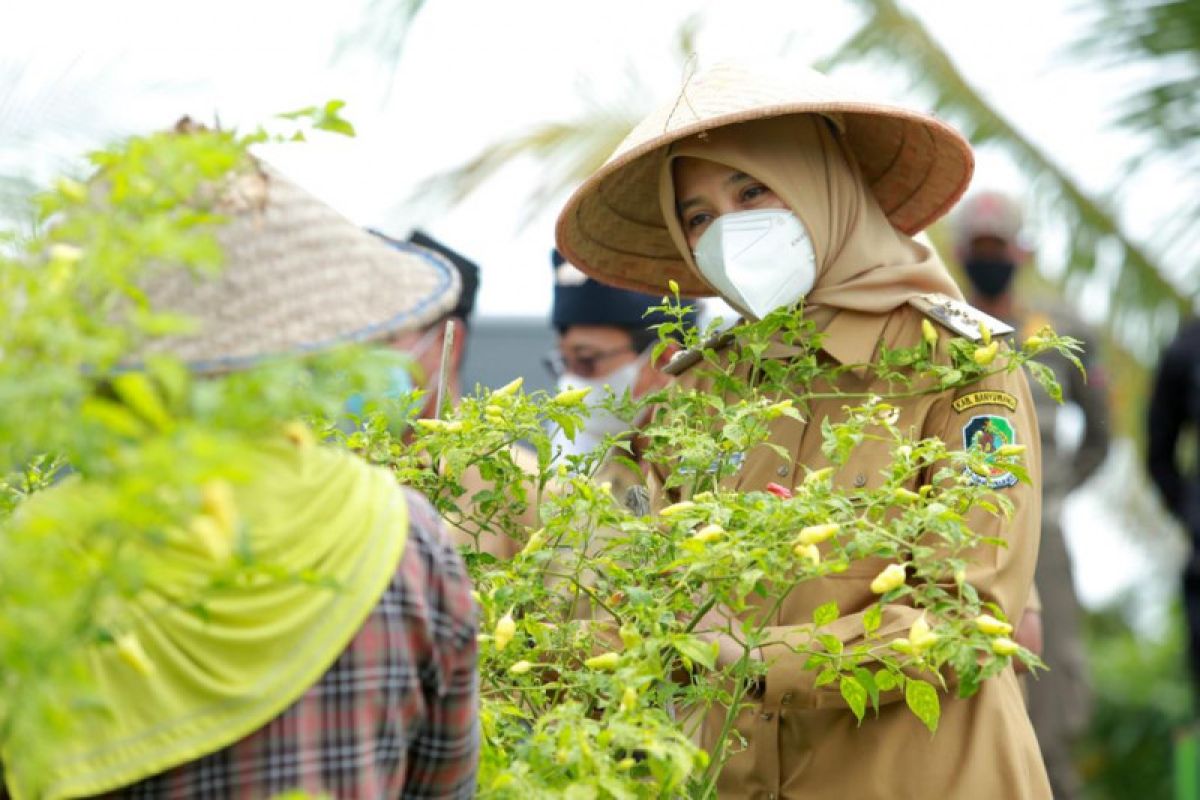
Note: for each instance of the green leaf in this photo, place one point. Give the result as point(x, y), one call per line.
point(885, 681)
point(855, 695)
point(872, 619)
point(831, 643)
point(922, 700)
point(827, 676)
point(825, 614)
point(865, 677)
point(702, 653)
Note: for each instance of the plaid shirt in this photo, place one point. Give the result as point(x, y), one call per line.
point(396, 714)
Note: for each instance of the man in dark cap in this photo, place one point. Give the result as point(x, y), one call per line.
point(425, 345)
point(605, 339)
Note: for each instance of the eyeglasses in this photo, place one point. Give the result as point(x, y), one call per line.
point(585, 365)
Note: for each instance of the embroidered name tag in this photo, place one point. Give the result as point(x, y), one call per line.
point(985, 399)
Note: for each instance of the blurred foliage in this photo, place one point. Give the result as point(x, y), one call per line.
point(1146, 304)
point(1165, 108)
point(1142, 697)
point(140, 443)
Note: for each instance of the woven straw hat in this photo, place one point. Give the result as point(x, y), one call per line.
point(298, 277)
point(612, 227)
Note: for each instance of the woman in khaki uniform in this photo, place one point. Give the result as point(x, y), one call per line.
point(848, 182)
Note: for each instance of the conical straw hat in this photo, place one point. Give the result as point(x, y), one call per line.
point(612, 227)
point(297, 277)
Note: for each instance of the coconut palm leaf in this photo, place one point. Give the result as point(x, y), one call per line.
point(1145, 304)
point(1165, 109)
point(567, 151)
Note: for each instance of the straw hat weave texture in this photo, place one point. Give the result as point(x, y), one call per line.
point(612, 227)
point(297, 277)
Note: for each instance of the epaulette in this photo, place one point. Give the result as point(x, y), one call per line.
point(685, 359)
point(962, 319)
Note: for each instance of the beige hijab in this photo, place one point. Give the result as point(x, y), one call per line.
point(863, 263)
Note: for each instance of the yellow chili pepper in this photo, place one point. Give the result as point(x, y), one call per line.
point(520, 667)
point(509, 389)
point(709, 533)
point(131, 652)
point(892, 577)
point(987, 354)
point(808, 552)
point(505, 629)
point(988, 624)
point(985, 333)
point(920, 635)
point(815, 534)
point(929, 333)
point(572, 397)
point(604, 661)
point(1003, 646)
point(677, 508)
point(214, 538)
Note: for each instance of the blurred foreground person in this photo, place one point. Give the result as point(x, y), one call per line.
point(1174, 408)
point(987, 239)
point(365, 689)
point(605, 343)
point(789, 192)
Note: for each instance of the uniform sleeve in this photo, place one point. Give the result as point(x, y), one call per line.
point(1003, 575)
point(1167, 414)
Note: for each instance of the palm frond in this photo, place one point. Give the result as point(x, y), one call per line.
point(384, 28)
point(1145, 305)
point(566, 153)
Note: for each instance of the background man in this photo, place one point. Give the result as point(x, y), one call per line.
point(1174, 406)
point(987, 231)
point(424, 346)
point(605, 339)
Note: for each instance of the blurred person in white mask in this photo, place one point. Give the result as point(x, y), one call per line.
point(605, 343)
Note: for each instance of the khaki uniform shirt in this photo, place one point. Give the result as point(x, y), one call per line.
point(803, 742)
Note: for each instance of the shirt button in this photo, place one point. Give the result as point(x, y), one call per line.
point(782, 471)
point(860, 480)
point(770, 796)
point(786, 699)
point(767, 716)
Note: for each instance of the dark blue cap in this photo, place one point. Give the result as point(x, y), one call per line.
point(468, 270)
point(580, 300)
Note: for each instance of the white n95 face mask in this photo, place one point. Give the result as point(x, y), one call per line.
point(758, 260)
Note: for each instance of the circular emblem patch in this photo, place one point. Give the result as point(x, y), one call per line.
point(988, 433)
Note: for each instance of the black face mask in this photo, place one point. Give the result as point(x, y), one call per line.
point(990, 276)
